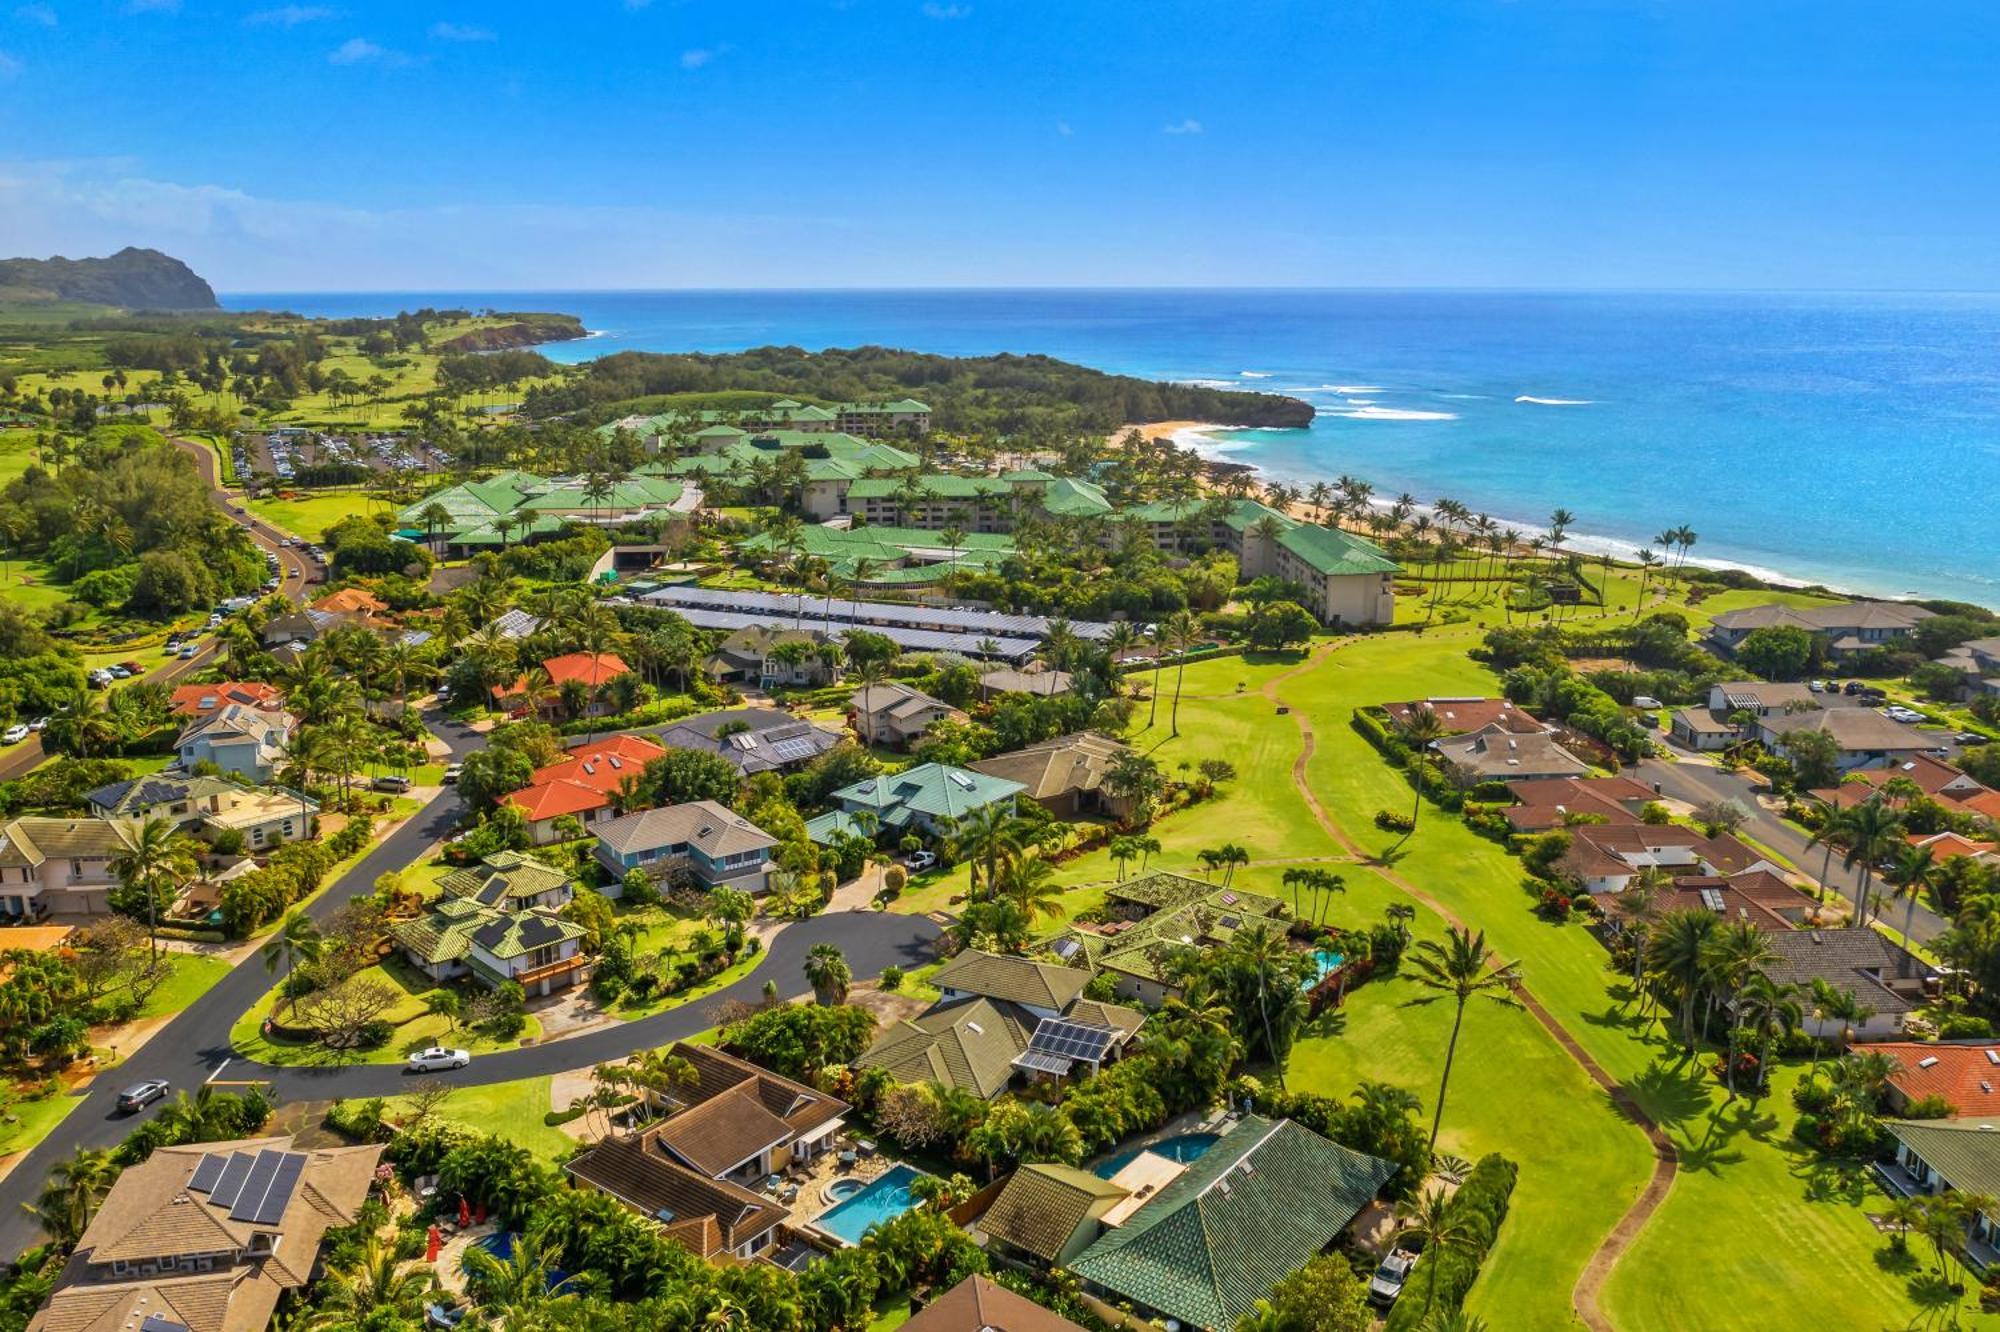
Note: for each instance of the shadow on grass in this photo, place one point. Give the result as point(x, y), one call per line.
point(1831, 1178)
point(1939, 1302)
point(1896, 1260)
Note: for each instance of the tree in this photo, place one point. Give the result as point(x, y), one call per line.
point(1323, 1296)
point(682, 775)
point(374, 1288)
point(1873, 830)
point(1911, 873)
point(985, 837)
point(1776, 652)
point(1457, 970)
point(447, 1005)
point(297, 940)
point(160, 860)
point(827, 972)
point(1717, 817)
point(1678, 944)
point(1814, 756)
point(1421, 729)
point(1767, 1012)
point(1440, 1228)
point(1732, 954)
point(75, 1188)
point(1181, 630)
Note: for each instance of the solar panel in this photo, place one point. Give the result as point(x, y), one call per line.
point(262, 1171)
point(873, 613)
point(1044, 1063)
point(234, 1172)
point(1064, 1039)
point(207, 1171)
point(271, 1207)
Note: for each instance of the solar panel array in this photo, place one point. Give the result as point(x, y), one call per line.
point(206, 1172)
point(1044, 1063)
point(916, 640)
point(255, 1188)
point(874, 614)
point(1070, 1040)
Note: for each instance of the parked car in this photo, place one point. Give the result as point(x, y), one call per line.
point(190, 651)
point(39, 724)
point(451, 772)
point(1972, 738)
point(392, 782)
point(141, 1094)
point(14, 734)
point(1391, 1277)
point(438, 1057)
point(920, 861)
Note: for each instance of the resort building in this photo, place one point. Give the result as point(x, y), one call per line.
point(1495, 754)
point(1348, 581)
point(923, 799)
point(1979, 662)
point(1854, 626)
point(1756, 898)
point(1934, 777)
point(895, 716)
point(515, 507)
point(1146, 916)
point(991, 504)
point(1264, 1200)
point(583, 784)
point(59, 867)
point(753, 740)
point(693, 1171)
point(248, 741)
point(1065, 775)
point(1047, 1214)
point(889, 556)
point(699, 842)
point(511, 881)
point(207, 1237)
point(1042, 683)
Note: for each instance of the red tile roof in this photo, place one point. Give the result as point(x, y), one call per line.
point(350, 599)
point(591, 670)
point(1459, 715)
point(199, 700)
point(1544, 804)
point(584, 780)
point(1965, 1074)
point(552, 800)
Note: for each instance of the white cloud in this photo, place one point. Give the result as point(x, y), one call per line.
point(37, 13)
point(361, 51)
point(1188, 126)
point(290, 16)
point(934, 10)
point(9, 65)
point(152, 6)
point(461, 32)
point(697, 57)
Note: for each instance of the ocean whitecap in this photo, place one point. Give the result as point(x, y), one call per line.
point(1360, 402)
point(1353, 388)
point(1554, 402)
point(1394, 414)
point(1255, 374)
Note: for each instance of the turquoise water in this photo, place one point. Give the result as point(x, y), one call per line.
point(1326, 963)
point(882, 1199)
point(1185, 1148)
point(1847, 438)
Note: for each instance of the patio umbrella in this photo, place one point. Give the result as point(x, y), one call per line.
point(433, 1242)
point(464, 1213)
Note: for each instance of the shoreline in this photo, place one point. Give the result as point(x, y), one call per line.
point(1198, 438)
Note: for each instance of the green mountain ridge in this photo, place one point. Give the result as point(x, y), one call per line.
point(133, 279)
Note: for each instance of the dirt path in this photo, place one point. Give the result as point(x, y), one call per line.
point(1665, 1160)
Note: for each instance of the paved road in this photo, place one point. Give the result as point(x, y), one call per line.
point(1696, 783)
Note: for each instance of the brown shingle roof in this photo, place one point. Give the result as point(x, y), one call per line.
point(976, 1304)
point(1040, 1209)
point(724, 1131)
point(648, 1181)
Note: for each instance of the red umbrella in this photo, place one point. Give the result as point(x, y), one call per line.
point(432, 1243)
point(464, 1213)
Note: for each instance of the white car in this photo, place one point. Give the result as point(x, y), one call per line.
point(451, 773)
point(920, 861)
point(39, 724)
point(15, 734)
point(1391, 1277)
point(436, 1058)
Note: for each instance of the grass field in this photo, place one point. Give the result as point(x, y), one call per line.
point(29, 1120)
point(415, 1028)
point(194, 974)
point(512, 1110)
point(313, 512)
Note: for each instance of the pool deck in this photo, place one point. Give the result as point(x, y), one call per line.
point(820, 1176)
point(1217, 1122)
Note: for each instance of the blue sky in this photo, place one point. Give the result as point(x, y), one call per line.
point(621, 143)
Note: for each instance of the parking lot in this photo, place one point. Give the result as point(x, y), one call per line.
point(283, 453)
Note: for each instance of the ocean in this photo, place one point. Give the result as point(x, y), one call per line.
point(1848, 439)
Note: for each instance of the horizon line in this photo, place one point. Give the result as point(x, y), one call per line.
point(1120, 287)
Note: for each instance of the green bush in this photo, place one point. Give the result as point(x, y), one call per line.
point(1438, 1286)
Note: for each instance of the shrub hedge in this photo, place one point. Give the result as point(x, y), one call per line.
point(1438, 1287)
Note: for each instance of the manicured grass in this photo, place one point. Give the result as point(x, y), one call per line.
point(313, 512)
point(193, 974)
point(415, 1028)
point(891, 1312)
point(511, 1110)
point(32, 1119)
point(1740, 1178)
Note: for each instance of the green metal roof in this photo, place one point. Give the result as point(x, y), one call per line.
point(1043, 1205)
point(444, 933)
point(971, 1046)
point(936, 790)
point(1334, 553)
point(1965, 1152)
point(503, 878)
point(932, 485)
point(1220, 1236)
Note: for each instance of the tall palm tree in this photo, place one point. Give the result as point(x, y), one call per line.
point(1831, 835)
point(1266, 959)
point(1873, 829)
point(1441, 1228)
point(296, 940)
point(1029, 883)
point(1734, 953)
point(1421, 729)
point(1769, 1012)
point(1678, 945)
point(1456, 969)
point(984, 838)
point(161, 859)
point(827, 972)
point(1637, 904)
point(75, 1189)
point(1181, 630)
point(1911, 874)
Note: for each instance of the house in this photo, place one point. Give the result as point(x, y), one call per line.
point(895, 716)
point(462, 936)
point(207, 806)
point(1542, 805)
point(237, 738)
point(1065, 775)
point(1702, 731)
point(924, 799)
point(753, 740)
point(1934, 777)
point(1494, 753)
point(511, 881)
point(1883, 978)
point(1761, 698)
point(58, 866)
point(1000, 1017)
point(1145, 918)
point(1756, 898)
point(773, 657)
point(1979, 662)
point(1850, 627)
point(1266, 1199)
point(1950, 1156)
point(202, 701)
point(207, 1237)
point(691, 1172)
point(1041, 683)
point(700, 840)
point(351, 601)
point(1460, 715)
point(582, 784)
point(1965, 1075)
point(1863, 737)
point(1605, 858)
point(1047, 1214)
point(978, 1304)
point(573, 670)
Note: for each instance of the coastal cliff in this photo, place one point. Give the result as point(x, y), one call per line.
point(521, 330)
point(133, 279)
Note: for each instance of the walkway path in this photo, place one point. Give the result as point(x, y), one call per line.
point(1665, 1159)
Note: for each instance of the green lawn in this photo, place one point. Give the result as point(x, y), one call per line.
point(193, 974)
point(415, 1028)
point(511, 1110)
point(313, 512)
point(1747, 1212)
point(31, 1120)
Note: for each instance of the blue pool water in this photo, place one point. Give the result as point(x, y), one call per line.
point(1185, 1148)
point(1325, 964)
point(882, 1199)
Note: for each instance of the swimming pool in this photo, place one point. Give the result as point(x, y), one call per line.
point(1325, 963)
point(843, 1189)
point(1184, 1148)
point(881, 1199)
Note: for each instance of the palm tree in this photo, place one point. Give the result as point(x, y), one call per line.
point(375, 1287)
point(1873, 828)
point(1181, 630)
point(1401, 915)
point(160, 860)
point(1679, 948)
point(1456, 969)
point(1768, 1012)
point(1637, 904)
point(1831, 834)
point(516, 1291)
point(1441, 1228)
point(1911, 874)
point(297, 940)
point(1265, 955)
point(1148, 848)
point(1124, 850)
point(1323, 884)
point(74, 1190)
point(827, 972)
point(1029, 883)
point(1735, 952)
point(1420, 729)
point(985, 837)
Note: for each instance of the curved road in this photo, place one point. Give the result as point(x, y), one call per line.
point(194, 1046)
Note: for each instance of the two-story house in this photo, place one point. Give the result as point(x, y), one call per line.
point(59, 866)
point(208, 807)
point(462, 936)
point(237, 738)
point(701, 840)
point(895, 716)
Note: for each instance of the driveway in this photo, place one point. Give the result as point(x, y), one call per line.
point(1698, 783)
